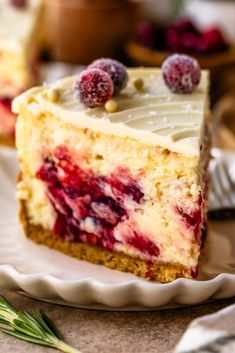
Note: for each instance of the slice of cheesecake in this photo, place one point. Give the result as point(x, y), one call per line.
point(19, 55)
point(126, 189)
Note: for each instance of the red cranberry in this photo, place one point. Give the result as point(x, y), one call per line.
point(19, 3)
point(211, 41)
point(181, 73)
point(173, 39)
point(189, 41)
point(115, 70)
point(145, 33)
point(186, 25)
point(93, 87)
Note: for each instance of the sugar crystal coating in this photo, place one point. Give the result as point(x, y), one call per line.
point(115, 70)
point(93, 87)
point(181, 73)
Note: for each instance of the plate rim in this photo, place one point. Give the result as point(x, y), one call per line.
point(98, 290)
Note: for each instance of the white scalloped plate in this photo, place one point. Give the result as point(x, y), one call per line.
point(49, 275)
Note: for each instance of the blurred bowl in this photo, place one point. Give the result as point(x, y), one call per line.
point(147, 57)
point(80, 31)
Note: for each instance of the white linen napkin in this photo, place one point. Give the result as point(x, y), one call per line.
point(214, 333)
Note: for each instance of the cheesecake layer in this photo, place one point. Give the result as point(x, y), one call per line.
point(110, 192)
point(161, 272)
point(125, 193)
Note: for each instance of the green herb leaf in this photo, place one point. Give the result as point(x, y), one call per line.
point(46, 323)
point(25, 337)
point(34, 327)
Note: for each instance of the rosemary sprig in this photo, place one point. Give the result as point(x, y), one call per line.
point(34, 327)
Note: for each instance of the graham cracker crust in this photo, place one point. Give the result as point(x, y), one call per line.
point(161, 272)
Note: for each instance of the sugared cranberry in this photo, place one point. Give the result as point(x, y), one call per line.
point(115, 70)
point(19, 3)
point(181, 73)
point(93, 87)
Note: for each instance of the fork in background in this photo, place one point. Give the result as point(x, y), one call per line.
point(222, 195)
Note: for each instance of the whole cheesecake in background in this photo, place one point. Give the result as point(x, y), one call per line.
point(19, 57)
point(122, 184)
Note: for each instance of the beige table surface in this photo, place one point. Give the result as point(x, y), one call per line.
point(111, 332)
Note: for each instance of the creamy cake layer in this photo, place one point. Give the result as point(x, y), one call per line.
point(164, 207)
point(153, 116)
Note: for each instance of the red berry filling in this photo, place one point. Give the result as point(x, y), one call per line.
point(89, 207)
point(146, 246)
point(193, 219)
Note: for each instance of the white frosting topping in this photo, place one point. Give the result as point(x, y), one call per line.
point(154, 115)
point(16, 24)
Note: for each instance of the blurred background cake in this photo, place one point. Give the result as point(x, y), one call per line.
point(19, 54)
